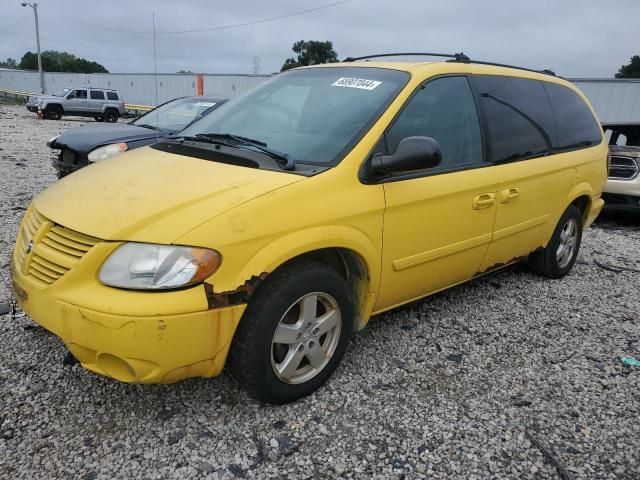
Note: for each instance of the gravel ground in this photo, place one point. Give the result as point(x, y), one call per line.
point(472, 383)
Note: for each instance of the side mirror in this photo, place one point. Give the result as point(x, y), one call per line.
point(413, 153)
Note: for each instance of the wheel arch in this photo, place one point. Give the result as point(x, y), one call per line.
point(346, 250)
point(581, 196)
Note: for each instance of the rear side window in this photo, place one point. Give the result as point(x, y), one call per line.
point(96, 95)
point(112, 96)
point(577, 127)
point(518, 117)
point(444, 109)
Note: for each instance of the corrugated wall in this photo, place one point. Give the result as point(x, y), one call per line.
point(136, 88)
point(615, 101)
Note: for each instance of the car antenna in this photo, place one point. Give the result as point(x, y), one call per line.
point(155, 72)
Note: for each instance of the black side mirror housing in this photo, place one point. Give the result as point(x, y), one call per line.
point(413, 153)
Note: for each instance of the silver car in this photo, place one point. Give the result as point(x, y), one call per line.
point(100, 103)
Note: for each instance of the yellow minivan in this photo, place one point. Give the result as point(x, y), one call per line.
point(266, 233)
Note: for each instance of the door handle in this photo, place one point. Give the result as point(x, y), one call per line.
point(509, 195)
point(484, 200)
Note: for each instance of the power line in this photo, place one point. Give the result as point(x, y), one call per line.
point(207, 29)
point(14, 24)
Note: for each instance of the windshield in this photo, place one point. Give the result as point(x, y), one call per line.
point(174, 115)
point(313, 115)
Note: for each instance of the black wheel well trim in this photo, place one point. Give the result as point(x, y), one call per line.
point(582, 203)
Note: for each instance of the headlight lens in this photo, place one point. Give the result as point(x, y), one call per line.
point(145, 266)
point(51, 140)
point(108, 151)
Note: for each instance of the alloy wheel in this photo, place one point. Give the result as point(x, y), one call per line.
point(306, 338)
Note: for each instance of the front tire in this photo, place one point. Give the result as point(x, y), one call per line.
point(53, 112)
point(293, 333)
point(111, 116)
point(557, 259)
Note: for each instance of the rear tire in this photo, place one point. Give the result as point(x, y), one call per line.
point(293, 333)
point(558, 257)
point(99, 119)
point(111, 116)
point(53, 112)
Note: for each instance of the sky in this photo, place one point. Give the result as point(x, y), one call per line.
point(575, 38)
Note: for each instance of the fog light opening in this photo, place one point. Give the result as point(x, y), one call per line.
point(116, 367)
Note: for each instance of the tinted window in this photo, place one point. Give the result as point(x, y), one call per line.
point(96, 95)
point(444, 110)
point(577, 126)
point(518, 116)
point(112, 95)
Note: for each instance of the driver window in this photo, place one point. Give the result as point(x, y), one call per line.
point(81, 94)
point(445, 110)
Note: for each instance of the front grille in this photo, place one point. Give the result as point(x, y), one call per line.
point(54, 249)
point(623, 168)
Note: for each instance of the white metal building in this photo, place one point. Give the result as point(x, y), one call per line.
point(135, 88)
point(615, 100)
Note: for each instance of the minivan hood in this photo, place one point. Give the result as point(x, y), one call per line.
point(86, 138)
point(150, 196)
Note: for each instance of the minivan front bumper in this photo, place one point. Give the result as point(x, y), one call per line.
point(135, 348)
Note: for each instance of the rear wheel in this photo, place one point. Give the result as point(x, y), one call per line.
point(53, 112)
point(557, 259)
point(111, 115)
point(293, 334)
point(99, 119)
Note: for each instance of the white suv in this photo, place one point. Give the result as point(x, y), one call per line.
point(101, 103)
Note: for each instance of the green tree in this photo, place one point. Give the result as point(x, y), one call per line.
point(9, 63)
point(310, 53)
point(54, 61)
point(632, 70)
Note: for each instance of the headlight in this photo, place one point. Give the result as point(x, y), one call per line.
point(108, 151)
point(145, 266)
point(51, 140)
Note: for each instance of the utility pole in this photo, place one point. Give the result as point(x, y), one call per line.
point(35, 13)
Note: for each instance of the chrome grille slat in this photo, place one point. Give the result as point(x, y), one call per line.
point(623, 168)
point(56, 249)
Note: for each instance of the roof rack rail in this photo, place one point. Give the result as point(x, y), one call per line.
point(458, 57)
point(455, 57)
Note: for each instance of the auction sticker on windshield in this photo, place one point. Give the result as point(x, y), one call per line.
point(361, 83)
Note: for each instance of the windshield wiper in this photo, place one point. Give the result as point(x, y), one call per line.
point(199, 137)
point(289, 163)
point(144, 125)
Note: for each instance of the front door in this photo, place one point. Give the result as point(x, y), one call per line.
point(437, 225)
point(76, 101)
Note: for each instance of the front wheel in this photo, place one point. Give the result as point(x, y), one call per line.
point(293, 334)
point(111, 116)
point(557, 259)
point(53, 112)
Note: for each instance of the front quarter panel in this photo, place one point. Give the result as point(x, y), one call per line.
point(329, 210)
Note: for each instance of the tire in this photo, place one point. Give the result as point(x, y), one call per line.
point(257, 359)
point(99, 119)
point(557, 259)
point(53, 112)
point(111, 115)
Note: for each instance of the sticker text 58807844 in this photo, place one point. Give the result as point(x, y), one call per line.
point(361, 83)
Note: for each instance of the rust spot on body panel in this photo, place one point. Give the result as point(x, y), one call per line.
point(239, 295)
